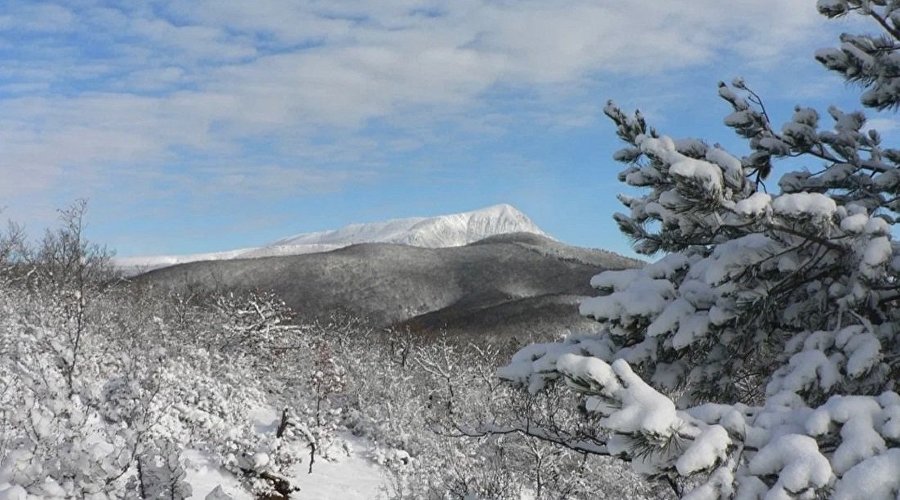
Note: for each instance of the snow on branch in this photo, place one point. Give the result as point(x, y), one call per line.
point(783, 447)
point(760, 356)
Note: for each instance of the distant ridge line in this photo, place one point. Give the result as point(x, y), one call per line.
point(440, 231)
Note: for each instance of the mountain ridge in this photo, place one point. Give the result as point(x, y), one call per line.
point(502, 285)
point(442, 231)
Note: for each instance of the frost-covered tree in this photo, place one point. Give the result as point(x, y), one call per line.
point(73, 418)
point(759, 357)
point(103, 383)
point(444, 426)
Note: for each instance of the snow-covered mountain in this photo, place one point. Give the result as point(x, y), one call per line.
point(430, 232)
point(510, 282)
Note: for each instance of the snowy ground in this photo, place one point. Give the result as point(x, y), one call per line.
point(205, 477)
point(355, 477)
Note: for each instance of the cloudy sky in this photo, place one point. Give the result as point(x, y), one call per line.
point(200, 125)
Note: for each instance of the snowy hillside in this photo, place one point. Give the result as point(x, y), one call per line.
point(429, 232)
point(402, 282)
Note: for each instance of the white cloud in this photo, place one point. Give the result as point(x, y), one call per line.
point(38, 17)
point(187, 79)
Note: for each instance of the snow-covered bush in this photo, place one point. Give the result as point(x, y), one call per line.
point(73, 418)
point(102, 383)
point(760, 356)
point(159, 473)
point(105, 384)
point(432, 406)
point(235, 355)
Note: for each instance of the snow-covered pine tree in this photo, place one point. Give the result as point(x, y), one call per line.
point(760, 357)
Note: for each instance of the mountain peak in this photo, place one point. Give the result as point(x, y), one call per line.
point(431, 232)
point(440, 231)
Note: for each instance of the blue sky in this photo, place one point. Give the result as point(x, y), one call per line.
point(201, 125)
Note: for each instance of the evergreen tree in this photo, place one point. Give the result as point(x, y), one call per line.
point(759, 357)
